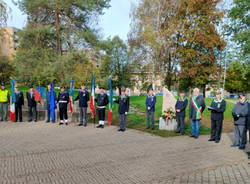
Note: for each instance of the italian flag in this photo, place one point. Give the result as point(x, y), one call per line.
point(92, 98)
point(71, 91)
point(12, 102)
point(110, 113)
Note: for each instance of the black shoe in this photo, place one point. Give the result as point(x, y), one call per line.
point(242, 147)
point(80, 124)
point(66, 124)
point(29, 120)
point(235, 145)
point(147, 128)
point(60, 123)
point(217, 141)
point(152, 128)
point(211, 140)
point(123, 130)
point(196, 137)
point(102, 126)
point(47, 121)
point(119, 130)
point(99, 126)
point(192, 136)
point(177, 132)
point(85, 125)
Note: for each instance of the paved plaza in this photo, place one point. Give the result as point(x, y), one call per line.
point(49, 153)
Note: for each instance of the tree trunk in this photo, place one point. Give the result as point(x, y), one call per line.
point(58, 36)
point(204, 90)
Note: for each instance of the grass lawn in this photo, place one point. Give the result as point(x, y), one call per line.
point(139, 102)
point(138, 120)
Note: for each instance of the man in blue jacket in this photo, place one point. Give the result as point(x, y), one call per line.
point(180, 108)
point(83, 97)
point(150, 108)
point(48, 101)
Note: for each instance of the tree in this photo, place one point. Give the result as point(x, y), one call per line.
point(154, 38)
point(200, 42)
point(116, 63)
point(57, 37)
point(235, 77)
point(240, 26)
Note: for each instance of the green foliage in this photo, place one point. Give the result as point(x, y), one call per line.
point(57, 43)
point(116, 62)
point(6, 69)
point(240, 26)
point(238, 76)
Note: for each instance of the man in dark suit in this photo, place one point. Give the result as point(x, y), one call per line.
point(101, 101)
point(63, 100)
point(217, 108)
point(19, 102)
point(197, 106)
point(180, 108)
point(32, 105)
point(123, 108)
point(150, 108)
point(83, 97)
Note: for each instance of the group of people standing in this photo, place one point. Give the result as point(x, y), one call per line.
point(240, 113)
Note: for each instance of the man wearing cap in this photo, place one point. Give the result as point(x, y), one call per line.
point(240, 114)
point(19, 102)
point(83, 97)
point(123, 108)
point(101, 100)
point(4, 100)
point(32, 105)
point(217, 108)
point(197, 106)
point(63, 100)
point(150, 108)
point(180, 108)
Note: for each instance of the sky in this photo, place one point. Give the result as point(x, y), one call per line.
point(115, 21)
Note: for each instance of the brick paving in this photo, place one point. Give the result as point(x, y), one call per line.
point(49, 153)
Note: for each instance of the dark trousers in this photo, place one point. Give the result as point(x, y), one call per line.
point(83, 115)
point(18, 113)
point(101, 114)
point(180, 123)
point(216, 129)
point(48, 112)
point(63, 113)
point(122, 118)
point(32, 113)
point(240, 135)
point(150, 119)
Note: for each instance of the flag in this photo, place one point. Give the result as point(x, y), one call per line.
point(71, 91)
point(52, 103)
point(41, 91)
point(110, 113)
point(12, 103)
point(37, 95)
point(92, 98)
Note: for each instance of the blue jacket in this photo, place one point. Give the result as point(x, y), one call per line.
point(83, 97)
point(181, 105)
point(123, 102)
point(150, 102)
point(248, 117)
point(48, 97)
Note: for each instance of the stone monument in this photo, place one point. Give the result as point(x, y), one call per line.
point(169, 101)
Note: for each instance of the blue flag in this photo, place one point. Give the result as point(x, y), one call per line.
point(52, 99)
